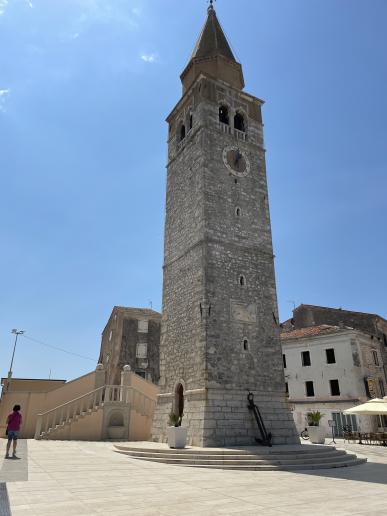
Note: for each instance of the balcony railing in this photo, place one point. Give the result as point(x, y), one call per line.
point(227, 129)
point(71, 411)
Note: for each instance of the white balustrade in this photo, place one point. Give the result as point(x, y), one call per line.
point(227, 129)
point(68, 412)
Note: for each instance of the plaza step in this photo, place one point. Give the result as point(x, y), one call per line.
point(302, 457)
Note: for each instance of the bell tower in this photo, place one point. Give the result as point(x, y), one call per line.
point(219, 330)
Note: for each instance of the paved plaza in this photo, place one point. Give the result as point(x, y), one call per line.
point(71, 478)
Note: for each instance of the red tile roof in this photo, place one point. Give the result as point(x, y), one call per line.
point(312, 331)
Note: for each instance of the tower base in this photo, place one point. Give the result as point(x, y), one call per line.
point(218, 417)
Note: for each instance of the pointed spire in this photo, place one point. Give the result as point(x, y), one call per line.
point(212, 55)
point(212, 40)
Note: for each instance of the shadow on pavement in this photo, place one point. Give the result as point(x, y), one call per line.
point(5, 509)
point(373, 472)
point(16, 470)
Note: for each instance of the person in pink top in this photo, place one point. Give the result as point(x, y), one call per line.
point(14, 421)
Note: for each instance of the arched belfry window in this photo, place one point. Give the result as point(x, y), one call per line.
point(182, 132)
point(223, 114)
point(239, 122)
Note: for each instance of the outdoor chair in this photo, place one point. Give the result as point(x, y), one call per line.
point(351, 436)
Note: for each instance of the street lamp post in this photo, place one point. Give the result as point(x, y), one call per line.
point(17, 333)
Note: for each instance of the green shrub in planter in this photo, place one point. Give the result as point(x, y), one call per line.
point(315, 417)
point(174, 419)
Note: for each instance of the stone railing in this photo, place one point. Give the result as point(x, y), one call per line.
point(240, 135)
point(182, 142)
point(71, 411)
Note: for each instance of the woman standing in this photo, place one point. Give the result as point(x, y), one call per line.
point(14, 421)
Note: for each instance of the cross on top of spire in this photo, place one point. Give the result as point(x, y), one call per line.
point(213, 55)
point(212, 40)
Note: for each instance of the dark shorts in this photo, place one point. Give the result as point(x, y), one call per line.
point(12, 435)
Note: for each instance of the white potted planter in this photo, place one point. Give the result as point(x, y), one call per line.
point(316, 434)
point(177, 436)
point(315, 431)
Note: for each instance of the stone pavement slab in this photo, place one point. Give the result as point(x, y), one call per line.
point(13, 470)
point(88, 478)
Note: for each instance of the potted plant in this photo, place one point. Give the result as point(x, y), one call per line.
point(315, 431)
point(177, 435)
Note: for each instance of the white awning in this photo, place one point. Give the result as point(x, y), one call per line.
point(374, 407)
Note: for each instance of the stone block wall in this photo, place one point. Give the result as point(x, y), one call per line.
point(220, 417)
point(120, 339)
point(219, 338)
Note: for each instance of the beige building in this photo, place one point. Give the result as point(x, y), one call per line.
point(116, 401)
point(86, 408)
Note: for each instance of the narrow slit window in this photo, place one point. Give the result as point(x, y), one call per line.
point(182, 132)
point(190, 121)
point(242, 281)
point(284, 360)
point(245, 345)
point(238, 212)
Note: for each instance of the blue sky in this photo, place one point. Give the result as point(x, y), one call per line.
point(85, 86)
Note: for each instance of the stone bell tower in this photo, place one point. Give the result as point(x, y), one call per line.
point(219, 330)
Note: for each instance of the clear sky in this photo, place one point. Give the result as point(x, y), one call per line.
point(85, 86)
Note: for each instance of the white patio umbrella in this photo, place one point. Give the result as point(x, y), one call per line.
point(374, 407)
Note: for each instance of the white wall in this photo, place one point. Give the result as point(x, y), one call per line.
point(349, 375)
point(354, 362)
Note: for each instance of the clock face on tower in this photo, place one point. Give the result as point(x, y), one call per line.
point(236, 161)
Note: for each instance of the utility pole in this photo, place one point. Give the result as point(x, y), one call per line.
point(16, 333)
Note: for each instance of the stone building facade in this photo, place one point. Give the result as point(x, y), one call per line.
point(373, 325)
point(305, 316)
point(220, 331)
point(131, 337)
point(330, 369)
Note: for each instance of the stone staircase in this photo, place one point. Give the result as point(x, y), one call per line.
point(53, 421)
point(289, 458)
point(56, 419)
